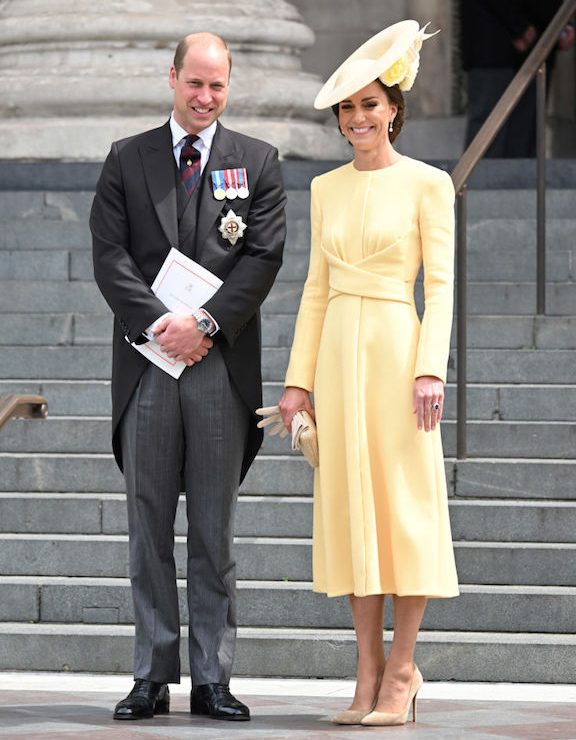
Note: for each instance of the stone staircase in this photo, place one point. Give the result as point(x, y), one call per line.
point(65, 599)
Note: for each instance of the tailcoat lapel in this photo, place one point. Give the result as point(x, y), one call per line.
point(158, 163)
point(224, 154)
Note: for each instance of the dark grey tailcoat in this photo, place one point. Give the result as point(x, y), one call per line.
point(134, 224)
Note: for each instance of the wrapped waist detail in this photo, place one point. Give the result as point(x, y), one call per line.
point(349, 279)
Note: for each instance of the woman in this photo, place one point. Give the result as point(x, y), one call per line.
point(380, 506)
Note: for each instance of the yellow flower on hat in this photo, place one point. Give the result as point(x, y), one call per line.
point(396, 73)
point(408, 81)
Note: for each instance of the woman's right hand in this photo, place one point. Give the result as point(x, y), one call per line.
point(292, 400)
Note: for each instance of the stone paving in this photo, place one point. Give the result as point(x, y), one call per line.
point(86, 715)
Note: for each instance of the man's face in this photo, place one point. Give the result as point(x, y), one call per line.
point(201, 87)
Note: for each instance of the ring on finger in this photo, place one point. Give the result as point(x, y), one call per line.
point(435, 407)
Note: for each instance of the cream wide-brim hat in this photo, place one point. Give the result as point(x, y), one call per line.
point(392, 55)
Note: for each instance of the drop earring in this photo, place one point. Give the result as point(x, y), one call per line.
point(391, 126)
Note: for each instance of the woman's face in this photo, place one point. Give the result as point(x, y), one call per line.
point(365, 116)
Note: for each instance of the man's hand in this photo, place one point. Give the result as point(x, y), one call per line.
point(526, 41)
point(566, 37)
point(181, 339)
point(427, 395)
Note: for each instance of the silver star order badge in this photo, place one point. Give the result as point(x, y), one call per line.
point(232, 227)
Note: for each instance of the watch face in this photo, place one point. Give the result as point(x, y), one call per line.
point(204, 325)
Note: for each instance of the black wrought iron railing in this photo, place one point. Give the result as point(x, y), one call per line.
point(533, 67)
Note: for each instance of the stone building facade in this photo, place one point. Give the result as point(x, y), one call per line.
point(74, 76)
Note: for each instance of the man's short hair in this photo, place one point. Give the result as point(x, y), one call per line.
point(182, 50)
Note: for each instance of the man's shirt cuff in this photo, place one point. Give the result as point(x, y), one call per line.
point(149, 332)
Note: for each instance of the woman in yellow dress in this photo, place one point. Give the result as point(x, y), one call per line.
point(381, 521)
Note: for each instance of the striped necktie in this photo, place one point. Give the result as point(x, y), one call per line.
point(190, 169)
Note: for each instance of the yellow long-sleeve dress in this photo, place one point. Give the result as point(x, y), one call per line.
point(381, 521)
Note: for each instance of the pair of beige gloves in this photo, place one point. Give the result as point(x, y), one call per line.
point(304, 435)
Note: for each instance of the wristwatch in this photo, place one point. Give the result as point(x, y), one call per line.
point(204, 323)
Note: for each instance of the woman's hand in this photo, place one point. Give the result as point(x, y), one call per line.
point(428, 391)
point(292, 400)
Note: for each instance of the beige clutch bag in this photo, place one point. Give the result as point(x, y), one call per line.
point(304, 434)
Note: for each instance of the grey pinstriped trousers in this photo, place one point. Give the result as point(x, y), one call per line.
point(194, 427)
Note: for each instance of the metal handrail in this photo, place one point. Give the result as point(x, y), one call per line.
point(534, 66)
point(22, 407)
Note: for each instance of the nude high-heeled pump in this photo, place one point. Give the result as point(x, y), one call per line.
point(355, 716)
point(398, 718)
point(350, 717)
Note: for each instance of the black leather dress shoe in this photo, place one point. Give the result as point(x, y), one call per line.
point(216, 701)
point(146, 699)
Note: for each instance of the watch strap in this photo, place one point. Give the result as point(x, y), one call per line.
point(204, 323)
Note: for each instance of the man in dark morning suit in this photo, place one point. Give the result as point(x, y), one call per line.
point(158, 190)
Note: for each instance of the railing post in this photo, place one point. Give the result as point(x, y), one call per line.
point(462, 310)
point(541, 190)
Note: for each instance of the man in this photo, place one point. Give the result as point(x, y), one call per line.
point(496, 38)
point(185, 185)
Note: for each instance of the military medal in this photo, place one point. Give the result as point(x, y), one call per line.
point(243, 191)
point(218, 190)
point(231, 191)
point(232, 227)
point(230, 184)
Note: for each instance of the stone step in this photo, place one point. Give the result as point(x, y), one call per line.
point(496, 203)
point(305, 653)
point(265, 558)
point(490, 438)
point(44, 234)
point(288, 604)
point(485, 265)
point(56, 363)
point(508, 231)
point(274, 475)
point(523, 402)
point(498, 250)
point(520, 439)
point(484, 229)
point(35, 265)
point(32, 296)
point(507, 298)
point(484, 332)
point(513, 521)
point(481, 203)
point(519, 332)
point(67, 206)
point(66, 397)
point(483, 366)
point(282, 516)
point(31, 329)
point(489, 258)
point(554, 366)
point(282, 475)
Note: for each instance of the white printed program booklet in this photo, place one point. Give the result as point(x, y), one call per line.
point(183, 286)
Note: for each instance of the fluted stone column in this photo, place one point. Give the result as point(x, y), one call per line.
point(76, 74)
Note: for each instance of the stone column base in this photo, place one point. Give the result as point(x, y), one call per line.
point(88, 139)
